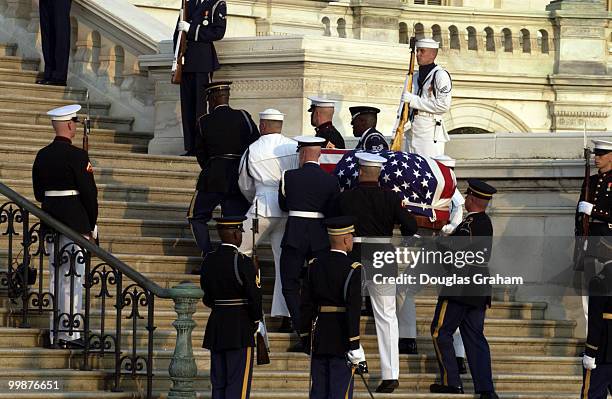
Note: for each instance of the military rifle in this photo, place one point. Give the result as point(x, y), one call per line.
point(404, 112)
point(263, 350)
point(181, 47)
point(86, 125)
point(582, 242)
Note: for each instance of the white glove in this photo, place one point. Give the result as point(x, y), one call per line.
point(183, 26)
point(407, 126)
point(588, 362)
point(94, 233)
point(261, 329)
point(585, 207)
point(407, 97)
point(356, 356)
point(448, 229)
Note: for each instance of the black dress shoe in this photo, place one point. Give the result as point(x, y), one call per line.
point(285, 326)
point(42, 81)
point(387, 386)
point(74, 344)
point(189, 153)
point(488, 395)
point(461, 365)
point(438, 388)
point(407, 346)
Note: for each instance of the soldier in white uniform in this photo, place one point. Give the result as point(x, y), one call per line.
point(429, 100)
point(456, 217)
point(261, 168)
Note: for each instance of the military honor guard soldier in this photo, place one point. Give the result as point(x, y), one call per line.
point(261, 169)
point(597, 359)
point(307, 193)
point(63, 181)
point(223, 136)
point(465, 309)
point(206, 23)
point(429, 100)
point(331, 310)
point(232, 291)
point(376, 211)
point(363, 120)
point(321, 116)
point(55, 38)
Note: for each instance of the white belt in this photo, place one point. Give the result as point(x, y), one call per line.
point(372, 240)
point(305, 214)
point(61, 193)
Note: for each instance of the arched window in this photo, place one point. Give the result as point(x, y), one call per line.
point(404, 36)
point(507, 42)
point(468, 130)
point(326, 29)
point(525, 41)
point(472, 40)
point(341, 27)
point(490, 37)
point(436, 33)
point(419, 31)
point(543, 41)
point(454, 37)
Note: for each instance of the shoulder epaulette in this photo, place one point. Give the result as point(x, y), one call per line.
point(355, 265)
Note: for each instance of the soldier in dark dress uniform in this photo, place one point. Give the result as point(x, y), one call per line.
point(376, 212)
point(55, 37)
point(206, 23)
point(321, 116)
point(232, 290)
point(224, 135)
point(364, 126)
point(331, 307)
point(307, 194)
point(63, 181)
point(597, 359)
point(465, 307)
point(597, 206)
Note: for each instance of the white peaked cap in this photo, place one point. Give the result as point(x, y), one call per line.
point(445, 160)
point(427, 43)
point(368, 159)
point(272, 114)
point(321, 102)
point(64, 113)
point(307, 141)
point(602, 145)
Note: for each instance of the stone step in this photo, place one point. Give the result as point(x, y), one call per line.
point(9, 141)
point(44, 91)
point(19, 63)
point(26, 154)
point(15, 75)
point(96, 136)
point(43, 104)
point(33, 117)
point(8, 49)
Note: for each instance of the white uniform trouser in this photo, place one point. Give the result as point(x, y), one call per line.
point(387, 330)
point(426, 147)
point(63, 296)
point(274, 228)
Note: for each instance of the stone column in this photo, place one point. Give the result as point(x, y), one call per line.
point(376, 20)
point(183, 369)
point(581, 60)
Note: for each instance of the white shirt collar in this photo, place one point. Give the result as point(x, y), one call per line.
point(316, 163)
point(229, 245)
point(338, 250)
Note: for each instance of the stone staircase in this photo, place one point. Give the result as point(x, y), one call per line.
point(143, 202)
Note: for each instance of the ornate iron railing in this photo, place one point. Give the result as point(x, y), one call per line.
point(112, 293)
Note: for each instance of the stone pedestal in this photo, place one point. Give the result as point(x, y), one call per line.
point(376, 20)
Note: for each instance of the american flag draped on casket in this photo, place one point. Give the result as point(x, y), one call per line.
point(424, 185)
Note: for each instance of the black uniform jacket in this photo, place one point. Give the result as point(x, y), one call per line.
point(372, 140)
point(330, 134)
point(224, 135)
point(207, 19)
point(309, 189)
point(600, 195)
point(332, 297)
point(599, 339)
point(62, 166)
point(228, 278)
point(474, 234)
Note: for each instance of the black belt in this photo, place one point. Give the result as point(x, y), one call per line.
point(231, 302)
